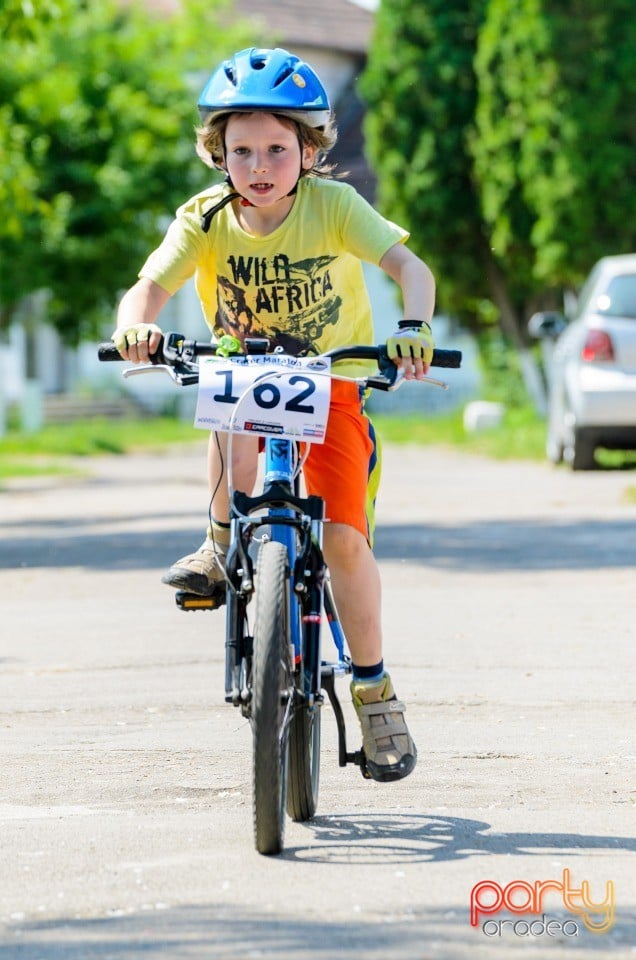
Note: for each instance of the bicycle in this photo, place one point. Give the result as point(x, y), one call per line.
point(274, 671)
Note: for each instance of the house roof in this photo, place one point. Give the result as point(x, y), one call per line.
point(339, 25)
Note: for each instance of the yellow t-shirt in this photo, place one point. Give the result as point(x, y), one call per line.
point(301, 286)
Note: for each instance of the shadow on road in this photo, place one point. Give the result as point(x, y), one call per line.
point(492, 545)
point(48, 547)
point(221, 932)
point(407, 838)
point(414, 931)
point(486, 545)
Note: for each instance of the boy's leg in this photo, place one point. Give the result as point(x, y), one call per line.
point(355, 580)
point(201, 571)
point(390, 751)
point(244, 470)
point(344, 471)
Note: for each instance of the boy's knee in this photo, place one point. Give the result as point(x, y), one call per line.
point(344, 544)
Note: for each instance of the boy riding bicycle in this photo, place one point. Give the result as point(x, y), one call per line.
point(276, 252)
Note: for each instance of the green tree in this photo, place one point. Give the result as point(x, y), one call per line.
point(503, 136)
point(555, 138)
point(96, 145)
point(26, 18)
point(421, 92)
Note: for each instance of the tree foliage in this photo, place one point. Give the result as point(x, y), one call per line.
point(503, 136)
point(555, 138)
point(96, 145)
point(421, 93)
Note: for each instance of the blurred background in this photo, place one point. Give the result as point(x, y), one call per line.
point(501, 133)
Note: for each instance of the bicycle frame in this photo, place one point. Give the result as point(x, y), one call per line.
point(296, 523)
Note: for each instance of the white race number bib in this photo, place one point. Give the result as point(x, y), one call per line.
point(274, 395)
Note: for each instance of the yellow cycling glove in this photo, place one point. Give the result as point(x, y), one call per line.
point(411, 340)
point(125, 337)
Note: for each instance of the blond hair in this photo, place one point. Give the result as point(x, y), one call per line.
point(210, 142)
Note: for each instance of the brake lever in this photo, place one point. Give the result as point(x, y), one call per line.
point(395, 381)
point(179, 375)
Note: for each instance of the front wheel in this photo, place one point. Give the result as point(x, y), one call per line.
point(271, 696)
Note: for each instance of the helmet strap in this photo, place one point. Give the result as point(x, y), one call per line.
point(206, 219)
point(208, 216)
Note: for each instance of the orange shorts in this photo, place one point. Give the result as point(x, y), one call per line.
point(345, 469)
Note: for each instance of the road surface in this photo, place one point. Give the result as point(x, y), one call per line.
point(509, 612)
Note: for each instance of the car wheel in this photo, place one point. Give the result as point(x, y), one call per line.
point(553, 447)
point(580, 455)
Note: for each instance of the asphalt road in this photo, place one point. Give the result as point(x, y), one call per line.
point(509, 595)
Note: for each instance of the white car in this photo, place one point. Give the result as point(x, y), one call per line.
point(592, 367)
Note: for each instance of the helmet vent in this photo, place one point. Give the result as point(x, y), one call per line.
point(285, 72)
point(257, 79)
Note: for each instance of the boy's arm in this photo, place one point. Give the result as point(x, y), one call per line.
point(411, 346)
point(137, 335)
point(415, 280)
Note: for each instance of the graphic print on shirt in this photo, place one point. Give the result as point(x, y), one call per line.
point(289, 303)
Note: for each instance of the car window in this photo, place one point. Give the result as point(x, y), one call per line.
point(619, 299)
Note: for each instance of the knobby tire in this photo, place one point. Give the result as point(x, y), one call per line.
point(304, 764)
point(271, 688)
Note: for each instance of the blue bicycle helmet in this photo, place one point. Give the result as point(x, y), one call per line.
point(271, 80)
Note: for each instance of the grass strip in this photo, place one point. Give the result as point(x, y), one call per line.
point(521, 436)
point(88, 438)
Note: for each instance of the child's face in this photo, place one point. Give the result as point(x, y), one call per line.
point(263, 157)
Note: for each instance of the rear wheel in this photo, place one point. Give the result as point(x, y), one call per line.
point(304, 764)
point(271, 697)
point(579, 443)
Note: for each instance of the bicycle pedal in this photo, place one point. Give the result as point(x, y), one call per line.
point(360, 759)
point(192, 601)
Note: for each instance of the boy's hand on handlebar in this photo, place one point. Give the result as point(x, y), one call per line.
point(411, 348)
point(138, 342)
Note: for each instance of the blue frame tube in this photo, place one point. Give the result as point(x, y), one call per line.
point(279, 468)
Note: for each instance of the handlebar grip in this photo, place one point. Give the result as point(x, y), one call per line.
point(108, 352)
point(447, 358)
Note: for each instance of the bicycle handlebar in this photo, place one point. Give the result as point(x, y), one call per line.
point(441, 358)
point(176, 350)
